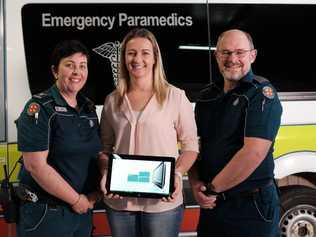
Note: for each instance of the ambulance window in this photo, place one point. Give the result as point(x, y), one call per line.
point(283, 35)
point(2, 103)
point(101, 27)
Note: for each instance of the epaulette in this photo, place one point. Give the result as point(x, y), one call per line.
point(42, 97)
point(208, 92)
point(260, 79)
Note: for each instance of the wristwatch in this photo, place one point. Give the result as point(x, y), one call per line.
point(210, 189)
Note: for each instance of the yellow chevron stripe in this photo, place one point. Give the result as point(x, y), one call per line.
point(293, 138)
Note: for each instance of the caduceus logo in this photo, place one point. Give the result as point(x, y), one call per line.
point(111, 51)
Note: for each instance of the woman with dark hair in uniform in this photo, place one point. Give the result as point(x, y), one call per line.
point(59, 140)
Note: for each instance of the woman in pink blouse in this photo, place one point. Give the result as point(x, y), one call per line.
point(146, 115)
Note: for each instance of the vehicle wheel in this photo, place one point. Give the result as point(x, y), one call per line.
point(298, 212)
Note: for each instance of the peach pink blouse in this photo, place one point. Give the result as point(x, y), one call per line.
point(156, 131)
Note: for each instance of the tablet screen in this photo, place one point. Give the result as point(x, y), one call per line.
point(140, 176)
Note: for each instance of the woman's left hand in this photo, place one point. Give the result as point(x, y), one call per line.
point(177, 188)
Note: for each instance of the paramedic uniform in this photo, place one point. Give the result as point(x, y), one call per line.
point(252, 109)
point(72, 138)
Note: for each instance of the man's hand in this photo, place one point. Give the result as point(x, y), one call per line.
point(82, 205)
point(205, 201)
point(94, 197)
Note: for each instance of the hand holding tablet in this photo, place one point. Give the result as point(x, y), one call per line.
point(140, 176)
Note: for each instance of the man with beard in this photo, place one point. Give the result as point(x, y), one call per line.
point(237, 123)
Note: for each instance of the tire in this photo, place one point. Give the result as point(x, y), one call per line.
point(298, 212)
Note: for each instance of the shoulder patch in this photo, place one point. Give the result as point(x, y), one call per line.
point(268, 92)
point(33, 109)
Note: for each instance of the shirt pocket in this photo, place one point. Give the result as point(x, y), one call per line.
point(265, 203)
point(88, 127)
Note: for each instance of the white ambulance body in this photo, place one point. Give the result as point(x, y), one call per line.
point(187, 33)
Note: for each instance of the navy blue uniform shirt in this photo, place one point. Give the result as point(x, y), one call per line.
point(252, 109)
point(71, 136)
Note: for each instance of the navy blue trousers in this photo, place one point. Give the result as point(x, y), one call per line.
point(43, 220)
point(256, 215)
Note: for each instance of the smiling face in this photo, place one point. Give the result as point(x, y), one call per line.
point(139, 58)
point(234, 55)
point(71, 73)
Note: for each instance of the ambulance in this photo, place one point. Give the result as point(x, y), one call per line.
point(187, 31)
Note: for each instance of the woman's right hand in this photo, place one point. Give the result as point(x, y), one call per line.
point(103, 183)
point(103, 163)
point(103, 188)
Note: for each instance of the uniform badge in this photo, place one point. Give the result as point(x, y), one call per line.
point(236, 102)
point(33, 109)
point(91, 123)
point(268, 92)
point(60, 109)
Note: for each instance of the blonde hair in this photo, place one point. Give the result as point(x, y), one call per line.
point(160, 83)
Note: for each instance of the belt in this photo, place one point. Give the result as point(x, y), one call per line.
point(224, 196)
point(50, 205)
point(52, 202)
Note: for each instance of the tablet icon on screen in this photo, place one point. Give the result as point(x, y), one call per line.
point(141, 177)
point(158, 176)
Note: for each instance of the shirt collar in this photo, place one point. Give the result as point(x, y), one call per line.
point(248, 77)
point(57, 96)
point(61, 101)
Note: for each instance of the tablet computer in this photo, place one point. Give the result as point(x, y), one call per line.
point(140, 176)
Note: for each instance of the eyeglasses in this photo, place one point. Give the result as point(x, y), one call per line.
point(240, 53)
